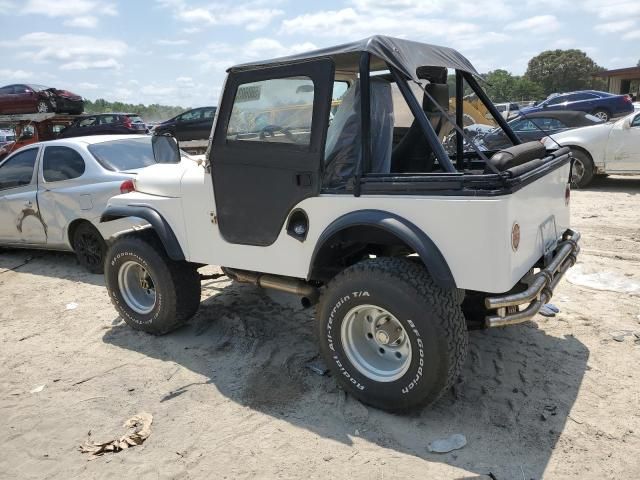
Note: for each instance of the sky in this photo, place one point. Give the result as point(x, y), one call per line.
point(175, 52)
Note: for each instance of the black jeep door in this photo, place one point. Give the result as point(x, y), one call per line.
point(268, 147)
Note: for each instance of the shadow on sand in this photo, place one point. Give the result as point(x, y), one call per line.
point(618, 183)
point(512, 400)
point(63, 265)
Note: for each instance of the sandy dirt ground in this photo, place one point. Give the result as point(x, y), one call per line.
point(231, 396)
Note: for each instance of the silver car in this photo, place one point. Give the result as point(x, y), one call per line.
point(53, 193)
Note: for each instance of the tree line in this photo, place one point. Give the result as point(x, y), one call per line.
point(149, 113)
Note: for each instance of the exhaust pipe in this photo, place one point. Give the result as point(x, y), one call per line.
point(308, 294)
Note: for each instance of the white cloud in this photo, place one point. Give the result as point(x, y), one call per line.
point(108, 64)
point(71, 52)
point(88, 21)
point(88, 86)
point(539, 24)
point(68, 8)
point(220, 56)
point(613, 8)
point(81, 13)
point(632, 35)
point(11, 75)
point(615, 27)
point(43, 46)
point(171, 42)
point(252, 16)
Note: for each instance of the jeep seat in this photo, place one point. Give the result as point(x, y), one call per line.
point(413, 153)
point(343, 148)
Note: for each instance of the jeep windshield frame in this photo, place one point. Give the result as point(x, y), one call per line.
point(400, 61)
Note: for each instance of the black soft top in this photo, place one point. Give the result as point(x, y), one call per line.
point(568, 117)
point(404, 55)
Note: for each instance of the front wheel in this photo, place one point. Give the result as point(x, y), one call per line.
point(151, 292)
point(391, 336)
point(583, 169)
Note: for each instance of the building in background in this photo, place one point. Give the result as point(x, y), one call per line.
point(622, 80)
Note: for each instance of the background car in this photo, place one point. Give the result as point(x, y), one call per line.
point(508, 110)
point(600, 104)
point(534, 126)
point(607, 148)
point(28, 132)
point(7, 136)
point(191, 125)
point(53, 193)
point(105, 124)
point(31, 98)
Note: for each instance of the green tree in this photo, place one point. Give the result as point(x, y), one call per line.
point(563, 70)
point(149, 113)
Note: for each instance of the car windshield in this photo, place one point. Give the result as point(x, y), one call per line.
point(37, 88)
point(126, 154)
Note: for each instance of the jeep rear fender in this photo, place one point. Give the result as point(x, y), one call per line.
point(403, 230)
point(158, 223)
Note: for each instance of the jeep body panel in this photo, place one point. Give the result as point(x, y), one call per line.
point(472, 233)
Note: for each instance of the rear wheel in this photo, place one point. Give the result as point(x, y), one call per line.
point(151, 292)
point(90, 247)
point(602, 114)
point(391, 337)
point(583, 169)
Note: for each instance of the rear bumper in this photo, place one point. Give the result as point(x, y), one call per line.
point(540, 289)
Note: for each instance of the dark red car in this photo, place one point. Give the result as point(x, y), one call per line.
point(29, 98)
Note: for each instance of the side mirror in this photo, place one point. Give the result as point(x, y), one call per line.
point(165, 149)
point(626, 124)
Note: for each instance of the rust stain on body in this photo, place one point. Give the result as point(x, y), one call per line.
point(29, 212)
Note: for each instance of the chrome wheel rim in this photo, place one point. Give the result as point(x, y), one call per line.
point(601, 115)
point(376, 343)
point(577, 172)
point(137, 287)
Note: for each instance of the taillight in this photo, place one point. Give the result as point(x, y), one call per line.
point(567, 194)
point(127, 186)
point(127, 122)
point(627, 99)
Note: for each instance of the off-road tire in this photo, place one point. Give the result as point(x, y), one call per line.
point(430, 315)
point(587, 164)
point(89, 247)
point(177, 285)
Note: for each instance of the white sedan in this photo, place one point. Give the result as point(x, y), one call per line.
point(53, 193)
point(609, 148)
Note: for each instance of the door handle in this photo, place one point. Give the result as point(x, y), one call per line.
point(303, 179)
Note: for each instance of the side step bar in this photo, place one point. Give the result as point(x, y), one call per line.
point(540, 290)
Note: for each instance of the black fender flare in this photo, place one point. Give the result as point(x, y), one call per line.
point(406, 231)
point(157, 221)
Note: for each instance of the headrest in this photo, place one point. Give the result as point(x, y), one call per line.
point(440, 93)
point(433, 74)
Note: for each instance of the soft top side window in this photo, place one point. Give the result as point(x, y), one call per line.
point(277, 110)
